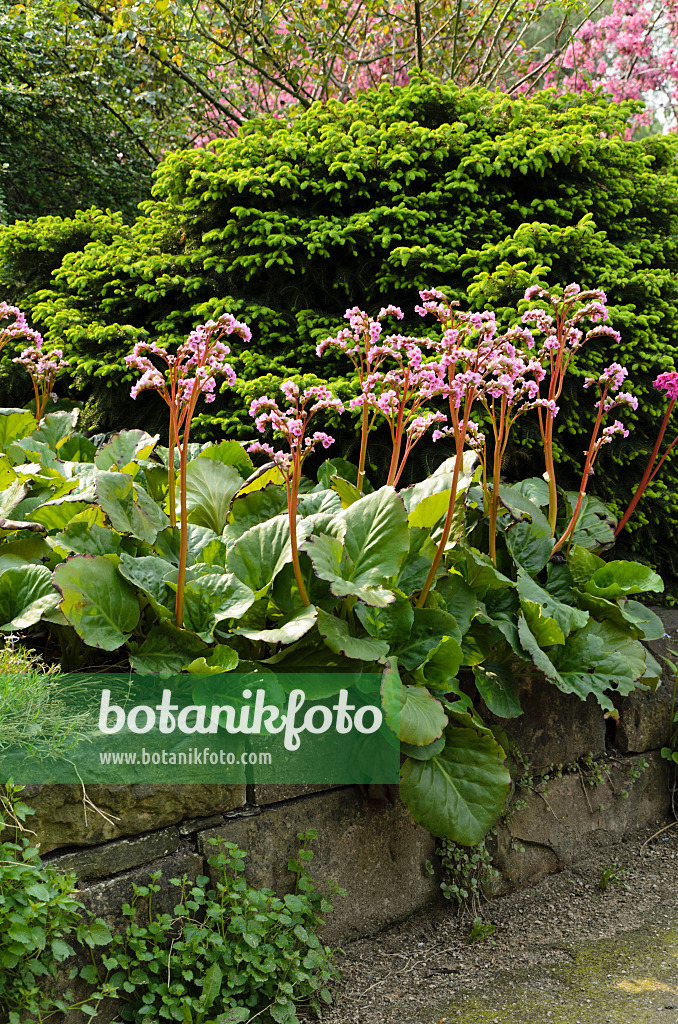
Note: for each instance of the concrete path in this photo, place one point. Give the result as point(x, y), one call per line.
point(631, 979)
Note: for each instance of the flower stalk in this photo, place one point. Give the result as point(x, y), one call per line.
point(183, 379)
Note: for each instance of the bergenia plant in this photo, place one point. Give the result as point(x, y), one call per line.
point(181, 380)
point(291, 425)
point(43, 368)
point(360, 343)
point(667, 382)
point(562, 338)
point(610, 397)
point(483, 367)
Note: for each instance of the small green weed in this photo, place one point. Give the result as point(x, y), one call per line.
point(612, 874)
point(480, 931)
point(465, 869)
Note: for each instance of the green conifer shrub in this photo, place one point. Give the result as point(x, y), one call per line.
point(361, 204)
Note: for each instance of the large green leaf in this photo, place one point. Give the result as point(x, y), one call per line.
point(391, 686)
point(585, 665)
point(545, 629)
point(621, 578)
point(342, 468)
point(528, 537)
point(617, 639)
point(212, 598)
point(89, 539)
point(210, 488)
point(424, 753)
point(147, 574)
point(166, 651)
point(338, 638)
point(348, 492)
point(100, 605)
point(230, 453)
point(375, 543)
point(427, 502)
point(254, 508)
point(318, 501)
point(54, 515)
point(430, 626)
point(377, 538)
point(644, 619)
point(331, 564)
point(392, 623)
point(415, 567)
point(15, 423)
point(459, 599)
point(567, 617)
point(459, 793)
point(595, 525)
point(287, 632)
point(26, 593)
point(443, 663)
point(535, 488)
point(422, 718)
point(123, 448)
point(168, 542)
point(220, 659)
point(12, 496)
point(582, 564)
point(56, 427)
point(129, 508)
point(481, 573)
point(257, 557)
point(497, 686)
point(77, 448)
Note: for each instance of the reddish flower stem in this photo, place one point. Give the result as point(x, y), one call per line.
point(364, 431)
point(648, 475)
point(588, 466)
point(460, 439)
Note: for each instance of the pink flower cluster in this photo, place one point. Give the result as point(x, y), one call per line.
point(630, 52)
point(18, 329)
point(44, 367)
point(668, 382)
point(291, 423)
point(192, 372)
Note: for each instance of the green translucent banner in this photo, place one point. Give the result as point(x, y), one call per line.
point(225, 728)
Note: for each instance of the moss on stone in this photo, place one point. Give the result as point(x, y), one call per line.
point(632, 979)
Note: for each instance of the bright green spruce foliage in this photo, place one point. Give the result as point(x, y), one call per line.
point(361, 204)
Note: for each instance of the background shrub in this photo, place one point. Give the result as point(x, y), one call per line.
point(363, 203)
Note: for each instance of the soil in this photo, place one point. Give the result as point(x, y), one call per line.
point(563, 951)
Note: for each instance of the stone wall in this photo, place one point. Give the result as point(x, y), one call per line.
point(371, 847)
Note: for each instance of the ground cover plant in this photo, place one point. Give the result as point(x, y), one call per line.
point(227, 953)
point(455, 587)
point(364, 203)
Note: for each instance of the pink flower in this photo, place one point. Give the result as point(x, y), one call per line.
point(192, 372)
point(668, 382)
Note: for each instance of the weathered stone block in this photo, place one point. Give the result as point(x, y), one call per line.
point(555, 727)
point(275, 794)
point(375, 852)
point(645, 721)
point(559, 823)
point(62, 819)
point(106, 899)
point(120, 855)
